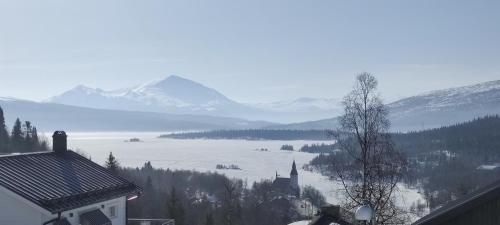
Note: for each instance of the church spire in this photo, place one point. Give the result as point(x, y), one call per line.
point(294, 170)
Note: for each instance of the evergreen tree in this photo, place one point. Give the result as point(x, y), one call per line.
point(34, 139)
point(112, 164)
point(175, 208)
point(209, 219)
point(27, 131)
point(17, 136)
point(4, 135)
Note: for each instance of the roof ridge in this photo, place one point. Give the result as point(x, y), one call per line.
point(448, 207)
point(19, 154)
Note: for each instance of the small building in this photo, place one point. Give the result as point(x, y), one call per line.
point(480, 207)
point(333, 215)
point(289, 186)
point(61, 187)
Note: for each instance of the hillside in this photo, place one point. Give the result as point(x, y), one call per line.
point(431, 110)
point(477, 137)
point(51, 116)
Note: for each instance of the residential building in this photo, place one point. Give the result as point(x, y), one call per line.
point(61, 187)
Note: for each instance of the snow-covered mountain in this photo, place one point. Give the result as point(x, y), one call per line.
point(446, 107)
point(432, 109)
point(173, 95)
point(178, 95)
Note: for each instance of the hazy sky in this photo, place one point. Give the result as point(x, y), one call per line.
point(251, 50)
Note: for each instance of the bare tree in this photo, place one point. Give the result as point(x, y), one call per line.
point(369, 166)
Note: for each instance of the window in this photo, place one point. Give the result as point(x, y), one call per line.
point(112, 211)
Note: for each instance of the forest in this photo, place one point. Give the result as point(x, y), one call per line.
point(22, 138)
point(254, 134)
point(443, 162)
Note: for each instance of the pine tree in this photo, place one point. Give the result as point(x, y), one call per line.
point(34, 139)
point(4, 135)
point(28, 141)
point(175, 208)
point(17, 136)
point(209, 220)
point(112, 164)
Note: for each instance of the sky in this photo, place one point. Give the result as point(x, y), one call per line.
point(251, 51)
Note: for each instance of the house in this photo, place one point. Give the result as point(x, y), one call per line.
point(61, 188)
point(332, 214)
point(479, 207)
point(286, 185)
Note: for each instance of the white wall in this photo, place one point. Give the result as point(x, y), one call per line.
point(119, 203)
point(15, 210)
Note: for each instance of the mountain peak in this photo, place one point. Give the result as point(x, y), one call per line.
point(175, 77)
point(84, 89)
point(176, 80)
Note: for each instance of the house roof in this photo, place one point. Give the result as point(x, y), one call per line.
point(461, 205)
point(61, 181)
point(281, 183)
point(95, 217)
point(63, 221)
point(331, 214)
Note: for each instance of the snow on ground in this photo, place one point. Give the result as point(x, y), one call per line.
point(303, 222)
point(203, 155)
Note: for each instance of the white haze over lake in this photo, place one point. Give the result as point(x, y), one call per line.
point(203, 155)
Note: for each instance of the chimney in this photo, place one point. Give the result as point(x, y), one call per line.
point(59, 143)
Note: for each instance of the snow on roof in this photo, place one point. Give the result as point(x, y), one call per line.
point(303, 222)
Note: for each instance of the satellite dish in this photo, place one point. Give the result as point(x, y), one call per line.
point(364, 213)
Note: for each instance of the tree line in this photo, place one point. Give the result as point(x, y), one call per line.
point(442, 162)
point(254, 134)
point(22, 138)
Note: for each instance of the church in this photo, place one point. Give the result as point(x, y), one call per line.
point(289, 186)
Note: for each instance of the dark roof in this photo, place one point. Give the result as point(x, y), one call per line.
point(332, 214)
point(281, 183)
point(294, 169)
point(322, 219)
point(94, 217)
point(61, 181)
point(61, 222)
point(461, 205)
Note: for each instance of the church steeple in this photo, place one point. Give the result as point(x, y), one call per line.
point(294, 170)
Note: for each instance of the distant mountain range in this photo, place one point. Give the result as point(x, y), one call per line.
point(52, 116)
point(175, 103)
point(178, 95)
point(432, 109)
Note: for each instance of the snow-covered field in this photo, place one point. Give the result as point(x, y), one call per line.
point(204, 155)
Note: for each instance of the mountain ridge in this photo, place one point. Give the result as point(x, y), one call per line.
point(178, 95)
point(54, 116)
point(431, 109)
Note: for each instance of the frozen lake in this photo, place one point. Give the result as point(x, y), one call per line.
point(203, 155)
